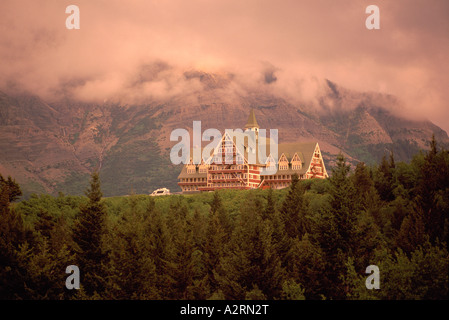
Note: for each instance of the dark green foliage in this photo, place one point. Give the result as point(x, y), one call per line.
point(312, 240)
point(251, 268)
point(213, 243)
point(293, 211)
point(12, 271)
point(269, 210)
point(384, 179)
point(432, 192)
point(10, 189)
point(160, 249)
point(364, 186)
point(130, 265)
point(88, 232)
point(307, 265)
point(344, 206)
point(32, 262)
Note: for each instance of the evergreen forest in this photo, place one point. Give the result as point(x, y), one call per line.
point(311, 241)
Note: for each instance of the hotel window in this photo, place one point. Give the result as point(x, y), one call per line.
point(296, 165)
point(283, 165)
point(191, 169)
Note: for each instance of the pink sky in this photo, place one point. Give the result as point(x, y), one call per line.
point(299, 39)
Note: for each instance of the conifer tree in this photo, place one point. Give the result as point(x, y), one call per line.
point(337, 228)
point(217, 208)
point(432, 193)
point(392, 163)
point(217, 235)
point(293, 211)
point(344, 206)
point(13, 236)
point(13, 273)
point(280, 240)
point(47, 258)
point(45, 224)
point(251, 262)
point(11, 188)
point(306, 264)
point(88, 232)
point(326, 232)
point(131, 269)
point(216, 203)
point(268, 212)
point(182, 247)
point(384, 179)
point(362, 184)
point(213, 250)
point(45, 270)
point(197, 224)
point(412, 232)
point(161, 254)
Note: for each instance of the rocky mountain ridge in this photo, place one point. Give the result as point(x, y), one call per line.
point(53, 146)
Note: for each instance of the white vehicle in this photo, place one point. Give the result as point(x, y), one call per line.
point(160, 192)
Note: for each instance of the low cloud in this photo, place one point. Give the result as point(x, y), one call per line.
point(141, 49)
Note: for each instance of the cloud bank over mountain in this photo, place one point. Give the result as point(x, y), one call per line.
point(141, 49)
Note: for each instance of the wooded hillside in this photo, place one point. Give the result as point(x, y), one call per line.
point(313, 240)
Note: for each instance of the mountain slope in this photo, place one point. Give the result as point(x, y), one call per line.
point(53, 146)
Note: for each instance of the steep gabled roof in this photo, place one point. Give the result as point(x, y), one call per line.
point(184, 174)
point(304, 150)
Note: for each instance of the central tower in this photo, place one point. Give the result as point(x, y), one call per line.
point(252, 124)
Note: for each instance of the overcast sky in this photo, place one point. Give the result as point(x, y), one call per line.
point(407, 57)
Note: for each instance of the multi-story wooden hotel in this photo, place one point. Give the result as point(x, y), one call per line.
point(230, 167)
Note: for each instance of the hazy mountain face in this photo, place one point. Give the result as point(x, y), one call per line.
point(51, 146)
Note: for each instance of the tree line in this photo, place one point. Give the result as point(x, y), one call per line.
point(312, 240)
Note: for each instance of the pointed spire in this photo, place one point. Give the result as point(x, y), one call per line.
point(252, 122)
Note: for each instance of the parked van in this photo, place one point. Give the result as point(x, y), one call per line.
point(160, 192)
